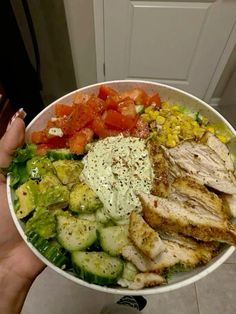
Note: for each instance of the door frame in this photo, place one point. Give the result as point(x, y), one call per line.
point(222, 63)
point(98, 12)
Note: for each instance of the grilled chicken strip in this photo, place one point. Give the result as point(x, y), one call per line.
point(188, 253)
point(230, 204)
point(161, 184)
point(196, 195)
point(142, 262)
point(219, 148)
point(173, 216)
point(201, 163)
point(177, 253)
point(144, 237)
point(143, 280)
point(204, 248)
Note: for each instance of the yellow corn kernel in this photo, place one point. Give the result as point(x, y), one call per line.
point(210, 128)
point(222, 138)
point(177, 129)
point(160, 120)
point(145, 117)
point(175, 107)
point(170, 143)
point(194, 123)
point(204, 120)
point(165, 105)
point(153, 115)
point(148, 109)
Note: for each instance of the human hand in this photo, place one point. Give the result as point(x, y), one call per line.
point(18, 265)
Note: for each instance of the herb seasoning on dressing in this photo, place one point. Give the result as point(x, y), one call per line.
point(117, 169)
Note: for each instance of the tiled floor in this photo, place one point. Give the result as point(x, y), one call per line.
point(215, 294)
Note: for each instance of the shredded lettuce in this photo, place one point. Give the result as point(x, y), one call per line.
point(178, 268)
point(17, 169)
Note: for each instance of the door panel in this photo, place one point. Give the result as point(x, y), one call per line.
point(174, 42)
point(168, 49)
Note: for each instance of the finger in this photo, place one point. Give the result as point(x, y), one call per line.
point(19, 114)
point(12, 139)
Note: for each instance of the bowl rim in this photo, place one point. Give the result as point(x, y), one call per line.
point(122, 291)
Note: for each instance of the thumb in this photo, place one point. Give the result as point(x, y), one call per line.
point(12, 139)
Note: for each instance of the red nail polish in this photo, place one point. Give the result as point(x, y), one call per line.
point(19, 114)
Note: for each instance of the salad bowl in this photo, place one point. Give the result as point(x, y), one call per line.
point(173, 96)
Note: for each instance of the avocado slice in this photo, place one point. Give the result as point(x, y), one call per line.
point(43, 222)
point(26, 194)
point(52, 194)
point(68, 171)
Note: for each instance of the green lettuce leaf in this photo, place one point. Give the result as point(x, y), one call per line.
point(17, 168)
point(178, 268)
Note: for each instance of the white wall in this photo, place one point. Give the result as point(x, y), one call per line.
point(80, 22)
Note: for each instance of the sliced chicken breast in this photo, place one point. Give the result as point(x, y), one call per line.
point(230, 204)
point(173, 216)
point(196, 195)
point(176, 252)
point(200, 162)
point(219, 148)
point(144, 237)
point(161, 180)
point(133, 255)
point(189, 242)
point(142, 280)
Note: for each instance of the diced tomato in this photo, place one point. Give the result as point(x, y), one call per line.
point(43, 137)
point(62, 110)
point(111, 103)
point(141, 129)
point(105, 91)
point(109, 114)
point(57, 141)
point(77, 143)
point(127, 107)
point(61, 123)
point(39, 137)
point(154, 100)
point(101, 130)
point(117, 121)
point(81, 98)
point(81, 117)
point(42, 149)
point(88, 133)
point(95, 104)
point(138, 95)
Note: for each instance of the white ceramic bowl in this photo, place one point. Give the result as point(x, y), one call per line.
point(173, 95)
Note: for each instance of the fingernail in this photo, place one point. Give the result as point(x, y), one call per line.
point(19, 114)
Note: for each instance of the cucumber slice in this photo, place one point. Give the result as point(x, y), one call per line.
point(114, 238)
point(62, 153)
point(90, 217)
point(129, 272)
point(101, 217)
point(97, 267)
point(52, 250)
point(75, 234)
point(139, 109)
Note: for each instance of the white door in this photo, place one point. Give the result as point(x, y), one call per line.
point(173, 42)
